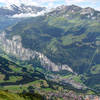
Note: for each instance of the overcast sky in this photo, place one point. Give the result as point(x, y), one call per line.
point(53, 3)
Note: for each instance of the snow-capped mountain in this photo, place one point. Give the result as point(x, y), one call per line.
point(66, 11)
point(73, 11)
point(21, 11)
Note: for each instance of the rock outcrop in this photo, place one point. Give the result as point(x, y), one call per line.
point(15, 48)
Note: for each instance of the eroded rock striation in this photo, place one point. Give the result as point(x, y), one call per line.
point(15, 48)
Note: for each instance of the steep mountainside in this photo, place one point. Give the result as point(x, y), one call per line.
point(22, 9)
point(15, 48)
point(12, 14)
point(75, 11)
point(28, 80)
point(67, 35)
point(7, 22)
point(5, 95)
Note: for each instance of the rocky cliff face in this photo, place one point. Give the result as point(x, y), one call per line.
point(73, 11)
point(15, 48)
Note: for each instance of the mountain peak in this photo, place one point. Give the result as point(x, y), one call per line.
point(70, 7)
point(89, 9)
point(16, 10)
point(90, 12)
point(74, 6)
point(65, 10)
point(72, 11)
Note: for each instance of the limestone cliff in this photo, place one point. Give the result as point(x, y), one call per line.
point(15, 48)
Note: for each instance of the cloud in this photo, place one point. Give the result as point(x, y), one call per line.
point(74, 1)
point(28, 15)
point(18, 2)
point(53, 3)
point(47, 3)
point(81, 1)
point(85, 3)
point(8, 2)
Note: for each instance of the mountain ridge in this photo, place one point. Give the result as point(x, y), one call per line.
point(73, 10)
point(14, 10)
point(32, 11)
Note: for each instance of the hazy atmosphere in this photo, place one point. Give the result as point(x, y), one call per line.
point(53, 3)
point(49, 50)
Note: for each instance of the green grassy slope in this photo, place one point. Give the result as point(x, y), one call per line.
point(27, 82)
point(4, 95)
point(65, 41)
